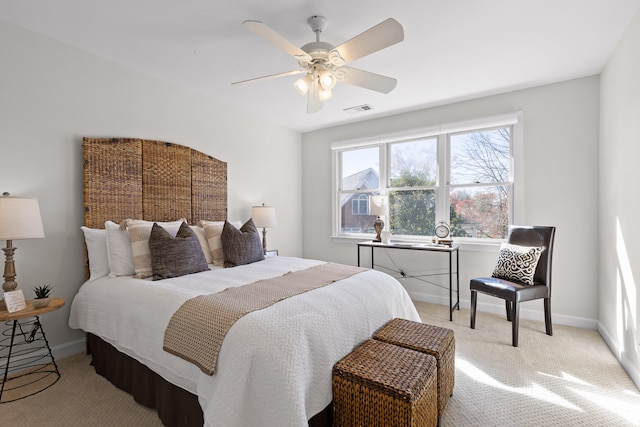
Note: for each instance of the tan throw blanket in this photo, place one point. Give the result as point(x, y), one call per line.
point(196, 330)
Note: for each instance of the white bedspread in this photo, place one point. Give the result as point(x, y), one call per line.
point(274, 367)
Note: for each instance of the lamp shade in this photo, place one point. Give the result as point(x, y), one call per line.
point(20, 219)
point(377, 205)
point(264, 216)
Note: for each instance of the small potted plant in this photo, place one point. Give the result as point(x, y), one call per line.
point(42, 295)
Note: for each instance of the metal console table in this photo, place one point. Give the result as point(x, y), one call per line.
point(428, 248)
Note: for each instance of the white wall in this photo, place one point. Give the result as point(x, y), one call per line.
point(561, 131)
point(52, 95)
point(619, 205)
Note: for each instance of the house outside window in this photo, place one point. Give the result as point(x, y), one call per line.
point(463, 174)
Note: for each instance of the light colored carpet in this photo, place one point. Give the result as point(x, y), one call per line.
point(79, 398)
point(569, 379)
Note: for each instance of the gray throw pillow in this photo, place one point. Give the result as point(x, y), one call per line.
point(241, 246)
point(175, 257)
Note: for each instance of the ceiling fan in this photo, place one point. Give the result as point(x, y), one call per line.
point(323, 65)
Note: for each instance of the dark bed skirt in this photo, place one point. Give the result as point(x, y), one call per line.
point(175, 406)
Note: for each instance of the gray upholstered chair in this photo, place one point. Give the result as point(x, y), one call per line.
point(514, 292)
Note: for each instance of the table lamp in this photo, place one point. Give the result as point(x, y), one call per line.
point(378, 207)
point(19, 219)
point(264, 217)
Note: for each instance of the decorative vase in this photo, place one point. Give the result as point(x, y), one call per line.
point(41, 302)
point(378, 225)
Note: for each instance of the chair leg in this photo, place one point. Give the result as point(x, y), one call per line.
point(507, 304)
point(514, 323)
point(547, 316)
point(474, 299)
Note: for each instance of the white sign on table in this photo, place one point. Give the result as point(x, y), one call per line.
point(14, 301)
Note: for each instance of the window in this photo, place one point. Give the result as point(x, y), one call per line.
point(460, 173)
point(413, 179)
point(480, 183)
point(360, 205)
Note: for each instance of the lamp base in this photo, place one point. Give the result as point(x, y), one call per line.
point(378, 225)
point(9, 268)
point(264, 241)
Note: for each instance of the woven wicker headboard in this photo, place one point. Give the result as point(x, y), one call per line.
point(152, 180)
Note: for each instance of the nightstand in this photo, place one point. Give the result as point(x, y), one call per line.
point(271, 252)
point(34, 368)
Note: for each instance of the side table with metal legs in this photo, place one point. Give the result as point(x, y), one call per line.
point(26, 361)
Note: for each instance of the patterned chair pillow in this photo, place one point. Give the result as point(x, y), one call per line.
point(517, 263)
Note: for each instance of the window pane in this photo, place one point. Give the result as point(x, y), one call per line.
point(354, 213)
point(360, 205)
point(480, 157)
point(414, 163)
point(412, 212)
point(361, 169)
point(481, 212)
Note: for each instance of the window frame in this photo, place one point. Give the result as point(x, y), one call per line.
point(442, 133)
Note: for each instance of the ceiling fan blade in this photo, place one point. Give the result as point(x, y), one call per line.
point(385, 34)
point(314, 104)
point(272, 76)
point(276, 39)
point(365, 79)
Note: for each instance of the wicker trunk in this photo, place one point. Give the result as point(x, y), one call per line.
point(434, 340)
point(384, 385)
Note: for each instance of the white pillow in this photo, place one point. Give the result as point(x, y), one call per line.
point(118, 251)
point(139, 232)
point(213, 233)
point(96, 241)
point(202, 238)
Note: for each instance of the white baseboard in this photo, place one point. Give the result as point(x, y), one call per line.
point(69, 349)
point(498, 308)
point(628, 366)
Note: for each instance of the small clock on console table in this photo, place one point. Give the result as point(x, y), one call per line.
point(442, 234)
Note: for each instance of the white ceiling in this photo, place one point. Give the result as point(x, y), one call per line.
point(453, 50)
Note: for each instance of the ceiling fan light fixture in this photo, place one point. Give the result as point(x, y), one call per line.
point(324, 94)
point(302, 84)
point(323, 64)
point(327, 79)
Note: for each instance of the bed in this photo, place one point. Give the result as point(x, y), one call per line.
point(274, 366)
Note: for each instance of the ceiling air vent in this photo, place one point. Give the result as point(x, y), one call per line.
point(358, 109)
